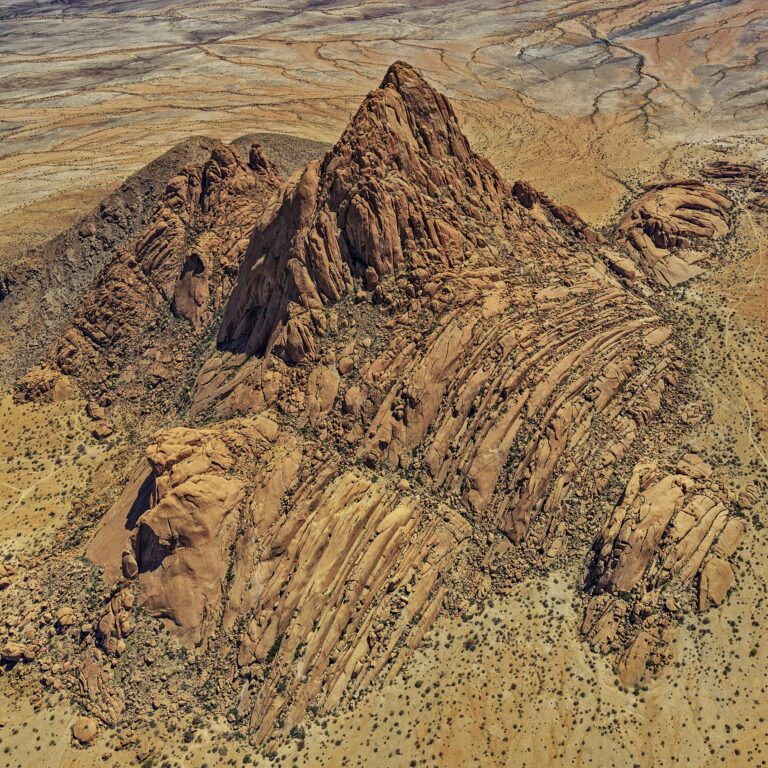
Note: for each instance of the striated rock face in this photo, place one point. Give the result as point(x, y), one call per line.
point(182, 266)
point(340, 571)
point(722, 170)
point(352, 577)
point(663, 227)
point(500, 336)
point(668, 541)
point(470, 373)
point(425, 378)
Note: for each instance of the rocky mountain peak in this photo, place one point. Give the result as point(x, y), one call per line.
point(400, 191)
point(406, 107)
point(260, 163)
point(441, 380)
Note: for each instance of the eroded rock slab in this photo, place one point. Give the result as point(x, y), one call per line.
point(664, 227)
point(667, 543)
point(431, 323)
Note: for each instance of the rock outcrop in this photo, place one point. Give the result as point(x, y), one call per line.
point(667, 542)
point(335, 566)
point(664, 227)
point(85, 730)
point(493, 326)
point(40, 289)
point(97, 690)
point(116, 623)
point(722, 170)
point(181, 543)
point(365, 213)
point(741, 175)
point(43, 288)
point(424, 380)
point(126, 336)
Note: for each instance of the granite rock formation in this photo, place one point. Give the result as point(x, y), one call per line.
point(668, 541)
point(432, 374)
point(40, 289)
point(663, 228)
point(423, 382)
point(744, 176)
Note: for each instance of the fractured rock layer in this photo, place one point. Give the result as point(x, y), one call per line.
point(668, 532)
point(742, 175)
point(214, 206)
point(663, 227)
point(430, 323)
point(493, 315)
point(336, 576)
point(39, 290)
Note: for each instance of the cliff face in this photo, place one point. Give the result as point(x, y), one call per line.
point(494, 323)
point(184, 259)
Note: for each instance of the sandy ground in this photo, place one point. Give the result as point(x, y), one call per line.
point(48, 459)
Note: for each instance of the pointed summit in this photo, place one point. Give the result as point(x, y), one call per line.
point(397, 192)
point(427, 104)
point(401, 74)
point(408, 107)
